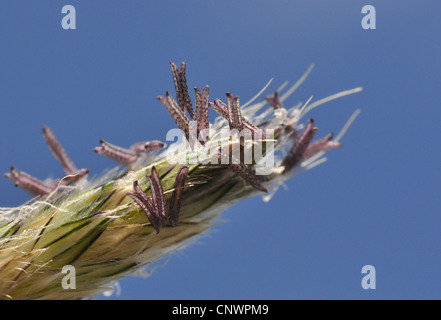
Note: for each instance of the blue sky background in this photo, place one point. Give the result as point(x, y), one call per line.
point(376, 201)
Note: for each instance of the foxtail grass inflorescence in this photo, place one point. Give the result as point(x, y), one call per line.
point(158, 199)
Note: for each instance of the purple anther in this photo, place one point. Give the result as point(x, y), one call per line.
point(121, 155)
point(31, 185)
point(295, 155)
point(324, 144)
point(201, 102)
point(249, 176)
point(181, 87)
point(177, 113)
point(58, 151)
point(274, 101)
point(176, 199)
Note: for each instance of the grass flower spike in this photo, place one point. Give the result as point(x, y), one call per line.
point(159, 198)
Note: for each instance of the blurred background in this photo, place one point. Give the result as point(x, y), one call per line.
point(376, 201)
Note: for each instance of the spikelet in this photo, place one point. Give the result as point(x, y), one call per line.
point(153, 205)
